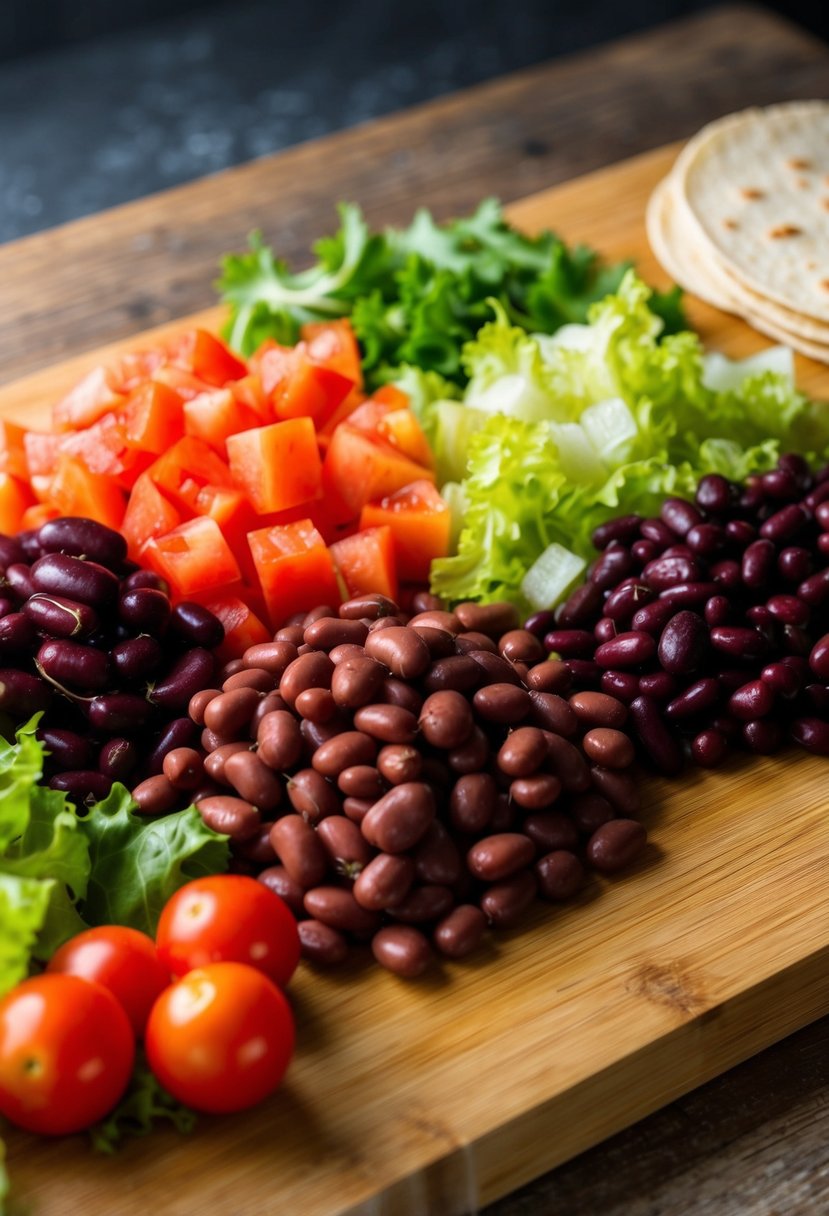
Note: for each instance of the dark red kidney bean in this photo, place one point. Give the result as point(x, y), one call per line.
point(679, 515)
point(782, 679)
point(491, 619)
point(763, 736)
point(658, 744)
point(626, 650)
point(316, 733)
point(279, 740)
point(178, 732)
point(8, 603)
point(535, 793)
point(65, 748)
point(300, 850)
point(622, 686)
point(472, 802)
point(214, 763)
point(614, 564)
point(384, 881)
point(494, 669)
point(74, 579)
point(706, 540)
point(343, 750)
point(788, 609)
point(253, 780)
point(156, 796)
point(502, 703)
point(389, 723)
point(645, 550)
point(697, 698)
point(550, 830)
point(505, 902)
point(819, 658)
point(402, 949)
point(786, 523)
point(312, 796)
point(812, 734)
point(589, 811)
point(183, 767)
point(584, 672)
point(730, 679)
point(117, 759)
point(196, 625)
point(114, 712)
point(446, 719)
point(472, 756)
point(459, 672)
point(230, 713)
point(401, 649)
point(329, 631)
point(465, 643)
point(523, 751)
point(689, 595)
point(754, 699)
point(322, 945)
point(608, 747)
point(460, 932)
point(605, 630)
point(539, 623)
point(361, 781)
point(658, 684)
point(822, 544)
point(17, 634)
point(356, 680)
point(627, 599)
point(598, 709)
point(348, 850)
point(560, 875)
point(570, 643)
point(709, 747)
point(664, 572)
point(794, 563)
point(145, 610)
point(615, 845)
point(727, 575)
point(400, 819)
point(192, 672)
point(437, 859)
point(624, 528)
point(82, 538)
point(231, 668)
point(568, 763)
point(398, 763)
point(580, 607)
point(741, 532)
point(337, 908)
point(70, 663)
point(20, 581)
point(553, 713)
point(717, 610)
point(519, 645)
point(739, 641)
point(370, 606)
point(758, 563)
point(145, 578)
point(500, 856)
point(12, 551)
point(796, 640)
point(252, 677)
point(60, 617)
point(813, 499)
point(714, 493)
point(550, 676)
point(136, 659)
point(83, 786)
point(311, 670)
point(817, 697)
point(441, 643)
point(814, 590)
point(268, 705)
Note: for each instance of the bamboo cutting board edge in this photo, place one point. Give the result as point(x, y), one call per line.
point(659, 1015)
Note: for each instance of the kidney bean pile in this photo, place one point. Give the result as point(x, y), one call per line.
point(710, 622)
point(93, 641)
point(408, 782)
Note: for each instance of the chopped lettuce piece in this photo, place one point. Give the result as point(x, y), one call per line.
point(551, 576)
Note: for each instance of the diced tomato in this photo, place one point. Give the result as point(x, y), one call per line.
point(402, 430)
point(249, 392)
point(135, 367)
point(102, 446)
point(277, 466)
point(180, 381)
point(366, 562)
point(12, 450)
point(390, 394)
point(235, 516)
point(88, 401)
point(40, 513)
point(193, 557)
point(359, 468)
point(187, 465)
point(75, 490)
point(333, 344)
point(295, 569)
point(215, 415)
point(152, 418)
point(420, 523)
point(242, 626)
point(297, 387)
point(15, 499)
point(41, 451)
point(207, 357)
point(368, 415)
point(148, 514)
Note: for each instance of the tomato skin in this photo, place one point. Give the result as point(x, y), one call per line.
point(122, 960)
point(221, 1038)
point(66, 1054)
point(228, 918)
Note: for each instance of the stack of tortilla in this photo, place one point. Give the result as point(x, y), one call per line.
point(742, 221)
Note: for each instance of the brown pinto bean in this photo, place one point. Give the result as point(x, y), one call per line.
point(500, 856)
point(560, 875)
point(317, 705)
point(598, 709)
point(491, 619)
point(400, 818)
point(535, 793)
point(254, 677)
point(550, 830)
point(399, 763)
point(357, 808)
point(214, 764)
point(232, 817)
point(356, 680)
point(361, 781)
point(346, 651)
point(521, 646)
point(329, 631)
point(456, 671)
point(460, 932)
point(317, 614)
point(210, 740)
point(505, 902)
point(552, 712)
point(270, 702)
point(441, 643)
point(387, 622)
point(384, 881)
point(281, 883)
point(437, 859)
point(321, 944)
point(184, 768)
point(273, 657)
point(436, 619)
point(199, 702)
point(502, 703)
point(312, 796)
point(369, 606)
point(429, 902)
point(289, 633)
point(279, 740)
point(608, 747)
point(300, 850)
point(494, 668)
point(618, 787)
point(345, 844)
point(568, 763)
point(338, 908)
point(343, 751)
point(446, 719)
point(523, 751)
point(311, 670)
point(230, 713)
point(253, 780)
point(402, 949)
point(589, 811)
point(467, 642)
point(615, 845)
point(471, 756)
point(550, 676)
point(398, 692)
point(389, 723)
point(472, 802)
point(403, 651)
point(155, 796)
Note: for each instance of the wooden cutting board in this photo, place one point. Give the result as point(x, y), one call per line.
point(437, 1097)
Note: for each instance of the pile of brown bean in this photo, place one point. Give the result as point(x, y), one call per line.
point(711, 621)
point(408, 782)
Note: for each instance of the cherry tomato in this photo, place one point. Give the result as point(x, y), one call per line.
point(66, 1054)
point(228, 918)
point(123, 960)
point(220, 1038)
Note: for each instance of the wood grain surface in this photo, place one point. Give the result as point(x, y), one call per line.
point(442, 1096)
point(106, 277)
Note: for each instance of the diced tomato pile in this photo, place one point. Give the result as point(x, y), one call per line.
point(260, 489)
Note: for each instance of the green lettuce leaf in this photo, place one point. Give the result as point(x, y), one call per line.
point(145, 1104)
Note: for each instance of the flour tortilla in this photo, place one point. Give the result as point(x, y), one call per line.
point(754, 188)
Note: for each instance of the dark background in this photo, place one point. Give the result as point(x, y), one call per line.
point(107, 100)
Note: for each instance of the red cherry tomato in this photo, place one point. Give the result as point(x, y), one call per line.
point(228, 918)
point(220, 1038)
point(123, 960)
point(66, 1054)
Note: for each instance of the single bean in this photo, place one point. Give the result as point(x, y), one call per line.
point(401, 649)
point(329, 631)
point(342, 751)
point(505, 902)
point(436, 619)
point(402, 949)
point(523, 751)
point(709, 747)
point(384, 881)
point(197, 625)
point(459, 672)
point(618, 787)
point(136, 659)
point(400, 819)
point(155, 796)
point(179, 732)
point(598, 709)
point(622, 686)
point(60, 617)
point(183, 767)
point(697, 698)
point(683, 645)
point(608, 747)
point(356, 680)
point(812, 734)
point(652, 618)
point(65, 749)
point(389, 723)
point(786, 523)
point(626, 650)
point(500, 856)
point(81, 537)
point(300, 850)
point(361, 781)
point(192, 672)
point(494, 669)
point(519, 645)
point(214, 763)
point(398, 692)
point(717, 611)
point(615, 564)
point(424, 601)
point(664, 572)
point(279, 740)
point(758, 562)
point(338, 908)
point(289, 633)
point(387, 622)
point(446, 719)
point(322, 945)
point(312, 796)
point(230, 713)
point(624, 528)
point(19, 579)
point(472, 802)
point(589, 811)
point(112, 712)
point(660, 746)
point(615, 845)
point(491, 619)
point(441, 643)
point(550, 676)
point(470, 640)
point(75, 579)
point(570, 643)
point(754, 699)
point(371, 606)
point(17, 633)
point(568, 763)
point(502, 703)
point(74, 665)
point(763, 736)
point(460, 932)
point(231, 816)
point(553, 713)
point(398, 763)
point(472, 756)
point(428, 902)
point(579, 609)
point(630, 596)
point(560, 875)
point(253, 780)
point(535, 793)
point(659, 685)
point(437, 858)
point(254, 677)
point(346, 846)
